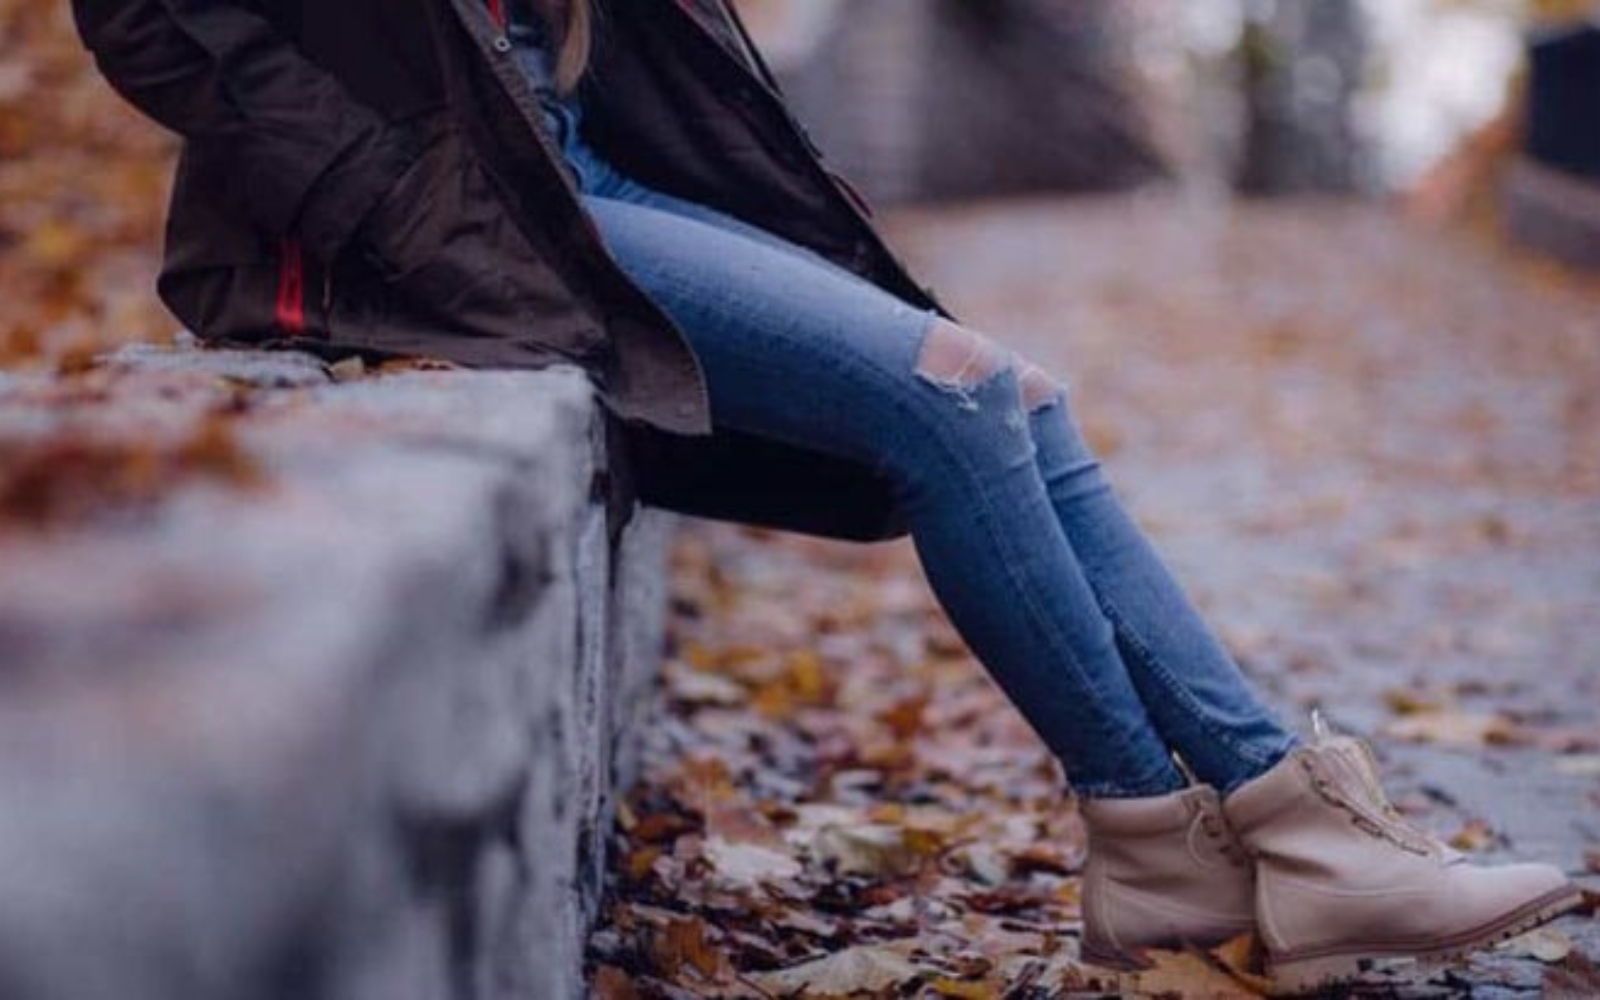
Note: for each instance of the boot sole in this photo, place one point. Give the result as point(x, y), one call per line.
point(1296, 977)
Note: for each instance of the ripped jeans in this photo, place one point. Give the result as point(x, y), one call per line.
point(1023, 541)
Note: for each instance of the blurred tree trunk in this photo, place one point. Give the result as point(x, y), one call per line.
point(952, 98)
point(1302, 63)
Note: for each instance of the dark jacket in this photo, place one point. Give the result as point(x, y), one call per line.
point(373, 176)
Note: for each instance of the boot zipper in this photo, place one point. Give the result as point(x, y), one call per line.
point(1373, 816)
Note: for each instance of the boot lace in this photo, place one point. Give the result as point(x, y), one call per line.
point(1222, 838)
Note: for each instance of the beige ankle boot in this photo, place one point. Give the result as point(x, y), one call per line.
point(1162, 872)
point(1343, 881)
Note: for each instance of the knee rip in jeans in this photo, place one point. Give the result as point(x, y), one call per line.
point(1039, 390)
point(958, 360)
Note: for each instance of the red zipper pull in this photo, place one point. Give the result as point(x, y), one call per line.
point(290, 312)
point(497, 10)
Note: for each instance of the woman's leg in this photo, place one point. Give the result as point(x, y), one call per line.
point(799, 352)
point(1198, 700)
point(1201, 703)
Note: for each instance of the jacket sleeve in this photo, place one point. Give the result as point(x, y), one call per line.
point(306, 158)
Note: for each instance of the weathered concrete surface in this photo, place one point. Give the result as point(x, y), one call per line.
point(333, 709)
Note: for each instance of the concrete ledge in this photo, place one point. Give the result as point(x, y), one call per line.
point(1554, 212)
point(335, 709)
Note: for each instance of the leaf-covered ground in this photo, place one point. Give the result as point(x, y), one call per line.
point(1373, 453)
point(83, 186)
point(840, 802)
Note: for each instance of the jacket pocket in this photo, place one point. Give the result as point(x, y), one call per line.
point(425, 209)
point(449, 258)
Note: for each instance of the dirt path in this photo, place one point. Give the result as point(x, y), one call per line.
point(1372, 453)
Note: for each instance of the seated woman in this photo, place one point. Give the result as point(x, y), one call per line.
point(502, 184)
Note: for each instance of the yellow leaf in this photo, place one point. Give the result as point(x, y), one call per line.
point(946, 987)
point(1405, 702)
point(55, 243)
point(1241, 959)
point(809, 678)
point(1189, 975)
point(1474, 835)
point(1450, 727)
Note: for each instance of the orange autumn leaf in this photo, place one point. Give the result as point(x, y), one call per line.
point(611, 983)
point(687, 943)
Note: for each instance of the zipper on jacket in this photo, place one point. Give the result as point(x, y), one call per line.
point(591, 245)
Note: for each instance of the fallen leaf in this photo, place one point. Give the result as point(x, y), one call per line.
point(1047, 858)
point(1574, 978)
point(1546, 944)
point(1404, 701)
point(1190, 975)
point(687, 943)
point(696, 687)
point(749, 865)
point(982, 863)
point(397, 366)
point(640, 861)
point(611, 983)
point(351, 369)
point(964, 990)
point(1241, 958)
point(214, 449)
point(875, 850)
point(905, 719)
point(863, 969)
point(659, 827)
point(1474, 835)
point(1452, 727)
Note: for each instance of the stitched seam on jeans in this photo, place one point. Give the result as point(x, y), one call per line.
point(1037, 613)
point(1169, 681)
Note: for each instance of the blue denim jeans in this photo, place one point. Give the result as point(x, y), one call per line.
point(1023, 541)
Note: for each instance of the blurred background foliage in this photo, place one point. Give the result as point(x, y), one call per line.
point(961, 97)
point(83, 187)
